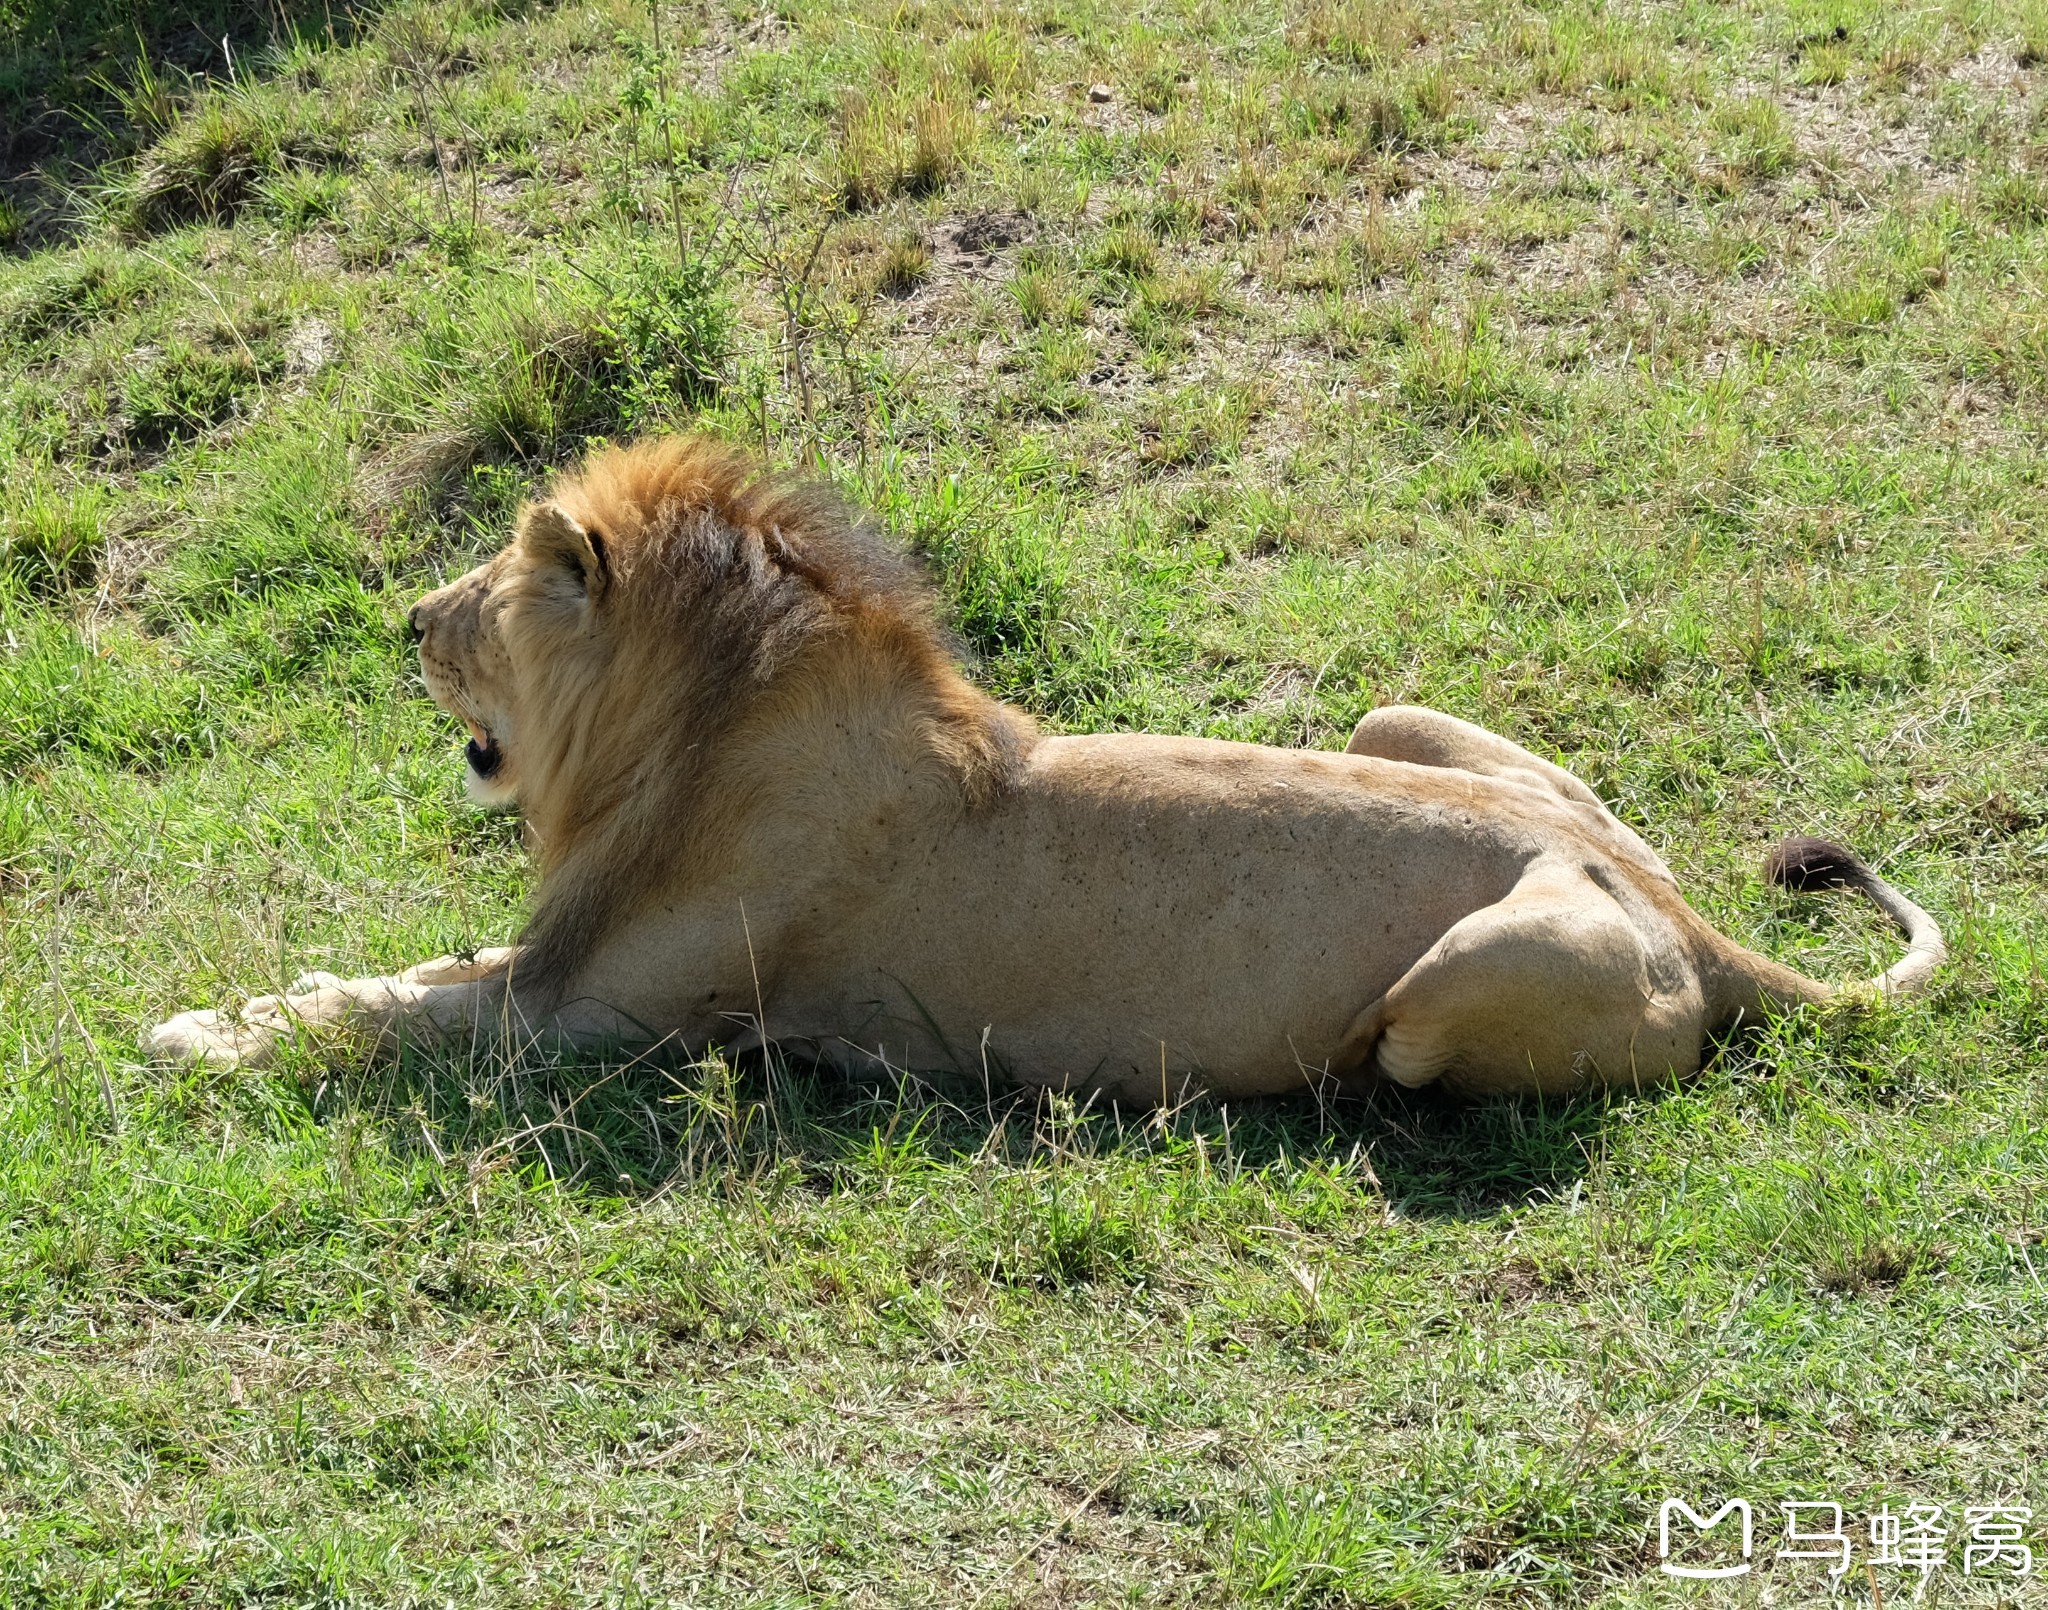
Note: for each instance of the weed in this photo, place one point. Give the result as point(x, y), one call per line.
point(72, 292)
point(284, 529)
point(214, 159)
point(1376, 248)
point(993, 60)
point(1127, 252)
point(1755, 137)
point(1318, 1547)
point(1358, 32)
point(526, 371)
point(1046, 296)
point(1825, 64)
point(1153, 76)
point(51, 540)
point(865, 155)
point(2032, 47)
point(939, 135)
point(2016, 198)
point(1464, 375)
point(299, 198)
point(1193, 427)
point(188, 388)
point(875, 161)
point(905, 263)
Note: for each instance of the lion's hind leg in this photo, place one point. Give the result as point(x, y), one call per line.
point(1546, 991)
point(1424, 737)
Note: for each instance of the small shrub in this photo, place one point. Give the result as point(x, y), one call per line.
point(664, 335)
point(420, 1444)
point(1369, 122)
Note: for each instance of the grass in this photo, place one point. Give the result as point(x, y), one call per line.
point(1659, 385)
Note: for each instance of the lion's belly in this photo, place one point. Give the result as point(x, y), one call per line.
point(1148, 911)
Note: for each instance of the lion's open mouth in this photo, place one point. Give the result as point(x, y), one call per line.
point(485, 757)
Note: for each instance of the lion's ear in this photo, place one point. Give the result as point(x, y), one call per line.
point(552, 536)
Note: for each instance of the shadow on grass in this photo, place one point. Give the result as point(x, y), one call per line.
point(86, 81)
point(632, 1127)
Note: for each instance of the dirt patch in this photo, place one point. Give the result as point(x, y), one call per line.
point(980, 236)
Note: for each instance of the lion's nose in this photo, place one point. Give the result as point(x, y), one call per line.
point(412, 623)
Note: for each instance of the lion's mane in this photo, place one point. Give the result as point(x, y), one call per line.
point(712, 587)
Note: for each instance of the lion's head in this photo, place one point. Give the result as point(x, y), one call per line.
point(468, 673)
point(644, 611)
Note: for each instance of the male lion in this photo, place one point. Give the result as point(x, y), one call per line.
point(765, 802)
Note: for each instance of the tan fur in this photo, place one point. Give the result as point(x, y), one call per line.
point(763, 800)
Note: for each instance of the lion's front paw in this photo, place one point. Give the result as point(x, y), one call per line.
point(466, 968)
point(215, 1039)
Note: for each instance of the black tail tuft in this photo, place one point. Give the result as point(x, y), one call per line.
point(1805, 864)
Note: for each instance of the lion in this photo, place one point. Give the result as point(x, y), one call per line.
point(766, 803)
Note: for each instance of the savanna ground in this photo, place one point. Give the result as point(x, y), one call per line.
point(1660, 384)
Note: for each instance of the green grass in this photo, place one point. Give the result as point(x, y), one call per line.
point(1660, 385)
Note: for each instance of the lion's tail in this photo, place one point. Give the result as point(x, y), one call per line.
point(1807, 864)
